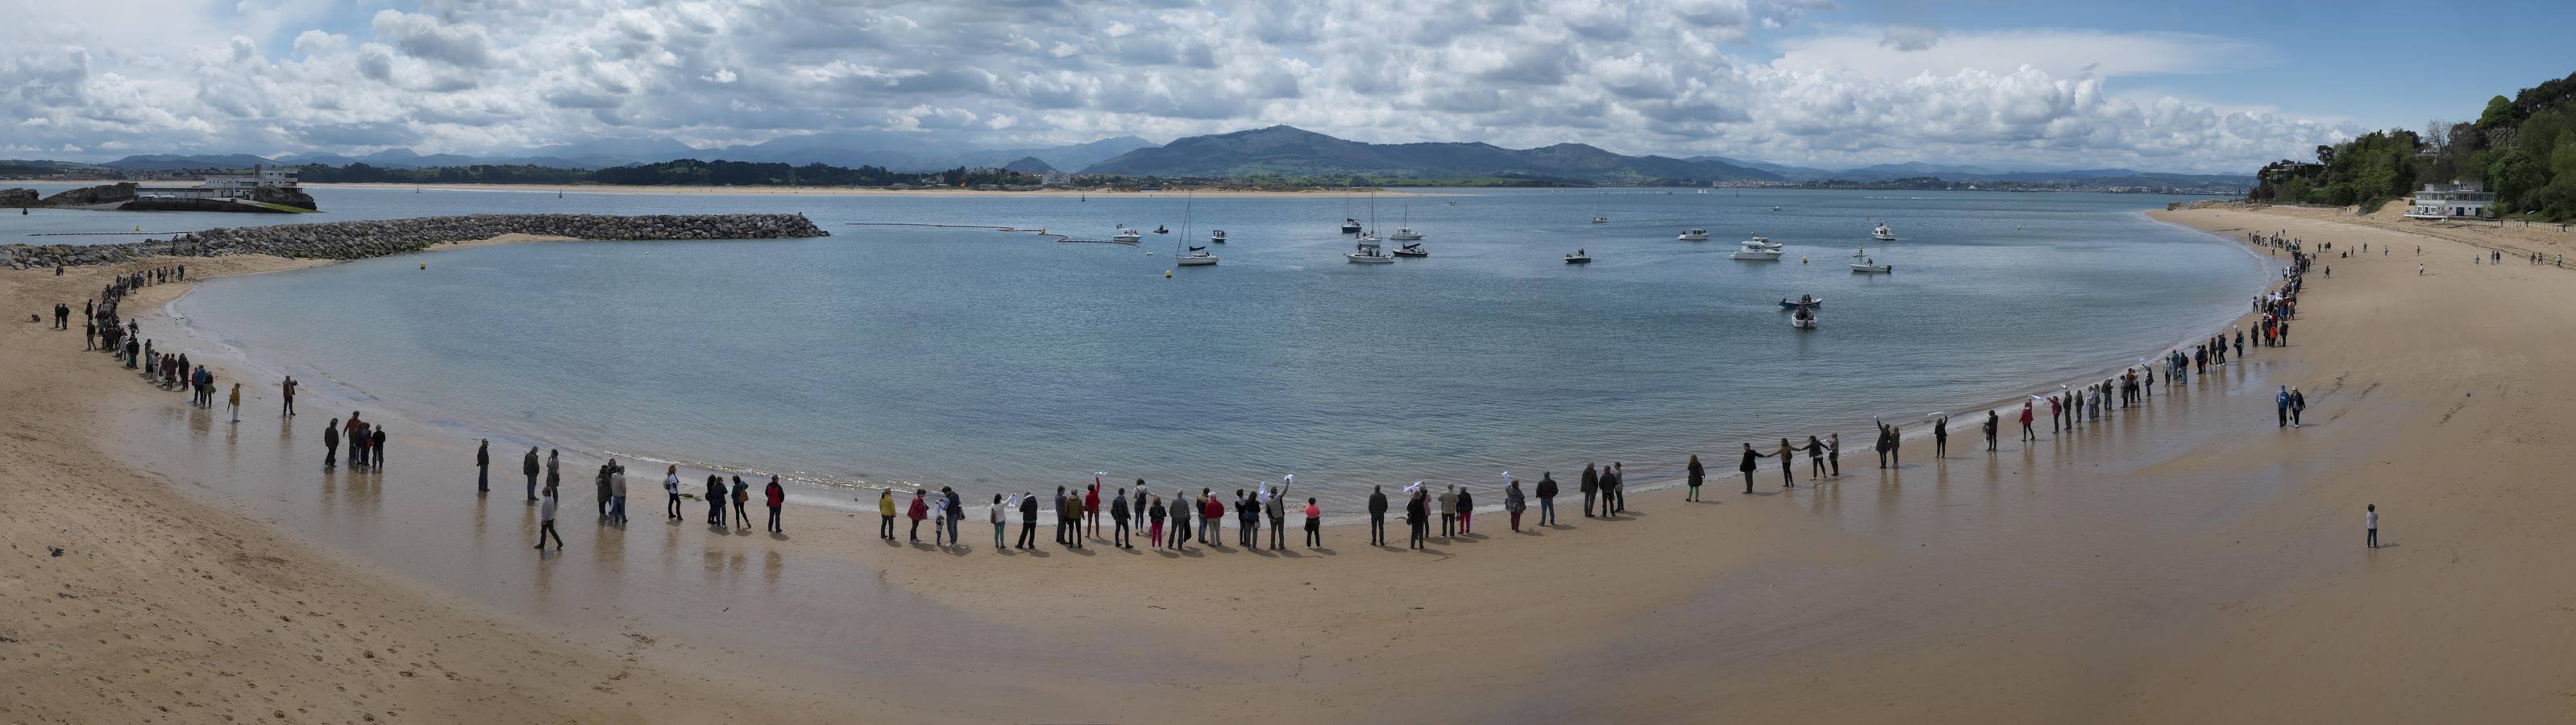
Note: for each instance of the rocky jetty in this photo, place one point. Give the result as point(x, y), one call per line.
point(363, 239)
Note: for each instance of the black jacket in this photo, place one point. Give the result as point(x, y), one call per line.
point(1749, 456)
point(1546, 487)
point(1118, 508)
point(1377, 503)
point(529, 467)
point(1415, 511)
point(1591, 480)
point(1029, 510)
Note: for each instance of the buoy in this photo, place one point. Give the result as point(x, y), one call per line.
point(424, 265)
point(1167, 274)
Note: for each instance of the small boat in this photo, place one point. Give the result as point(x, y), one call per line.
point(1802, 301)
point(1127, 236)
point(1882, 234)
point(1412, 250)
point(1803, 319)
point(1404, 230)
point(1763, 242)
point(1753, 250)
point(1368, 252)
point(1775, 208)
point(1216, 237)
point(1871, 266)
point(1578, 257)
point(1694, 235)
point(1350, 226)
point(1198, 257)
point(1158, 229)
point(1598, 219)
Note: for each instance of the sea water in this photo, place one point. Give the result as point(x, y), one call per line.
point(1007, 361)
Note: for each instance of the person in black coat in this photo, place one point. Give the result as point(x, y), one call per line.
point(1546, 499)
point(1887, 445)
point(1747, 467)
point(715, 500)
point(483, 466)
point(1028, 521)
point(1591, 485)
point(1417, 518)
point(1118, 520)
point(1377, 515)
point(330, 443)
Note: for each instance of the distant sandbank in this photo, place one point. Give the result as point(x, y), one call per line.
point(837, 191)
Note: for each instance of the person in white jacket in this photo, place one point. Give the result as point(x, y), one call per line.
point(671, 488)
point(616, 493)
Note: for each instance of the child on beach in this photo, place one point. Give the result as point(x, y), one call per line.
point(2370, 521)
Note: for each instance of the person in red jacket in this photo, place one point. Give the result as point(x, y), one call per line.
point(1091, 506)
point(2026, 433)
point(919, 510)
point(777, 499)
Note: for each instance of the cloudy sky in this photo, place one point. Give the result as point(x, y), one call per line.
point(2185, 86)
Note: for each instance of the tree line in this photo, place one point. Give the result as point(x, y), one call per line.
point(2523, 148)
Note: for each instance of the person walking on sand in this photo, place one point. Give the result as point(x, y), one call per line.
point(1377, 515)
point(1514, 502)
point(236, 402)
point(528, 466)
point(2370, 525)
point(546, 521)
point(2281, 407)
point(331, 449)
point(1416, 520)
point(2298, 404)
point(483, 466)
point(1448, 511)
point(1314, 524)
point(1693, 473)
point(1546, 499)
point(1028, 521)
point(670, 487)
point(1118, 520)
point(918, 512)
point(288, 390)
point(1748, 465)
point(1591, 487)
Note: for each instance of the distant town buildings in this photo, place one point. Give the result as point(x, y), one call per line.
point(2455, 199)
point(223, 186)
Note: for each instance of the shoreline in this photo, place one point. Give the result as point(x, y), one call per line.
point(2179, 564)
point(843, 191)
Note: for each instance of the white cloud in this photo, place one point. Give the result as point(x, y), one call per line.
point(1638, 76)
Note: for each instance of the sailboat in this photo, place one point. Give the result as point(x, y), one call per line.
point(1195, 256)
point(1405, 232)
point(1350, 225)
point(1368, 252)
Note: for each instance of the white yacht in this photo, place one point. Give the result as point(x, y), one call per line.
point(1404, 230)
point(1882, 234)
point(1127, 236)
point(1368, 252)
point(1694, 235)
point(1754, 251)
point(1763, 242)
point(1867, 265)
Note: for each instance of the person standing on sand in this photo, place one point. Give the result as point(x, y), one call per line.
point(616, 493)
point(1614, 488)
point(956, 512)
point(2370, 525)
point(1466, 512)
point(529, 466)
point(1247, 517)
point(1692, 471)
point(1179, 508)
point(1546, 500)
point(1449, 511)
point(1514, 502)
point(1118, 520)
point(1416, 519)
point(1001, 527)
point(376, 448)
point(716, 499)
point(599, 488)
point(546, 521)
point(1995, 420)
point(1211, 518)
point(1747, 466)
point(2055, 414)
point(483, 466)
point(885, 514)
point(1815, 458)
point(1377, 515)
point(670, 485)
point(920, 509)
point(1591, 487)
point(288, 388)
point(1315, 524)
point(1059, 515)
point(1073, 518)
point(1941, 438)
point(1277, 508)
point(331, 448)
point(778, 501)
point(1886, 443)
point(1028, 521)
point(1091, 506)
point(1788, 462)
point(236, 402)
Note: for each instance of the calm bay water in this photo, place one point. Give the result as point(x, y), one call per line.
point(1005, 361)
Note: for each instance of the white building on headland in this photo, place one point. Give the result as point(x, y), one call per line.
point(2455, 199)
point(222, 186)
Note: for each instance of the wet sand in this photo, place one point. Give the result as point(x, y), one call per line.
point(2181, 561)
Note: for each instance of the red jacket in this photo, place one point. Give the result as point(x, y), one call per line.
point(1091, 500)
point(919, 509)
point(777, 495)
point(1213, 509)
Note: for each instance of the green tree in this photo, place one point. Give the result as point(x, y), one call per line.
point(2499, 112)
point(2515, 174)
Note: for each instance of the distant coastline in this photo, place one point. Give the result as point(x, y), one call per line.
point(836, 190)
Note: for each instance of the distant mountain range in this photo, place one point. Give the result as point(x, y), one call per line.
point(1289, 151)
point(1281, 151)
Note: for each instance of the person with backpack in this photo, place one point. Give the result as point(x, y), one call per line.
point(741, 504)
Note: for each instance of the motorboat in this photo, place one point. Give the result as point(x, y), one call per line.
point(1350, 226)
point(1763, 242)
point(1802, 301)
point(1754, 252)
point(1412, 250)
point(1159, 229)
point(1368, 252)
point(1694, 235)
point(1867, 265)
point(1598, 219)
point(1127, 236)
point(1803, 319)
point(1578, 257)
point(1882, 234)
point(1216, 237)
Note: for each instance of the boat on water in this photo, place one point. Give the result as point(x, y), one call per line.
point(1350, 224)
point(1412, 250)
point(1775, 208)
point(1160, 229)
point(1578, 257)
point(1599, 219)
point(1404, 230)
point(1753, 251)
point(1216, 237)
point(1126, 235)
point(1763, 242)
point(1867, 265)
point(1195, 256)
point(1695, 234)
point(1803, 319)
point(1368, 252)
point(1882, 234)
point(1802, 301)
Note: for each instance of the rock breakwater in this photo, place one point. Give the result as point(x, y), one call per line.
point(363, 239)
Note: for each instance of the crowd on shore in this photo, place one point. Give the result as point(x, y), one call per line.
point(1187, 516)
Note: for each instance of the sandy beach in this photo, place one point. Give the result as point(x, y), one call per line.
point(2182, 561)
point(840, 191)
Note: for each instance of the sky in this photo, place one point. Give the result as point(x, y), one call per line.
point(2168, 86)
